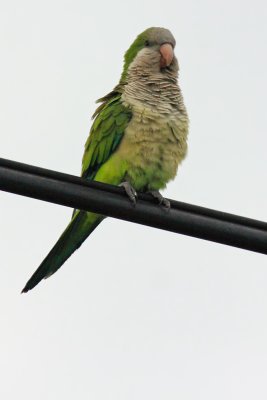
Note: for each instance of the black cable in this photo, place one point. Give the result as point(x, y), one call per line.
point(187, 219)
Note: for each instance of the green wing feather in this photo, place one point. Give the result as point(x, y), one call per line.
point(108, 128)
point(106, 133)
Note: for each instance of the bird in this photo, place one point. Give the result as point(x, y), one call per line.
point(137, 140)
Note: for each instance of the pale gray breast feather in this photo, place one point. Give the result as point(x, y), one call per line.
point(162, 95)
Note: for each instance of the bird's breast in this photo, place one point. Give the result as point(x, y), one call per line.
point(153, 145)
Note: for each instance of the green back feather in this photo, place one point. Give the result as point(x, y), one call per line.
point(129, 56)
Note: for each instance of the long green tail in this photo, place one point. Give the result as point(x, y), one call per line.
point(80, 227)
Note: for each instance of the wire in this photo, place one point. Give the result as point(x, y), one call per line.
point(183, 218)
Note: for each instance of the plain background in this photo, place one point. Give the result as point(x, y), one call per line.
point(136, 313)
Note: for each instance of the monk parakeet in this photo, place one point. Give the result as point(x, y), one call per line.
point(137, 139)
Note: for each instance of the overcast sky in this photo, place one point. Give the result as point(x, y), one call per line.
point(136, 313)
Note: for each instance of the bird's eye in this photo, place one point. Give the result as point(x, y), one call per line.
point(147, 43)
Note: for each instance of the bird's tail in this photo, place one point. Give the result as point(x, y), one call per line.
point(80, 227)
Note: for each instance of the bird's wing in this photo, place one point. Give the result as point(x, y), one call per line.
point(106, 133)
point(108, 128)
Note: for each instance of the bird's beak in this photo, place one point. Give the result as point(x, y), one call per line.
point(166, 51)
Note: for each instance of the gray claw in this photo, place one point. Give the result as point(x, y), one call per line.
point(130, 191)
point(158, 196)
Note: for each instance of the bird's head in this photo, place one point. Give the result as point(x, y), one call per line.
point(152, 50)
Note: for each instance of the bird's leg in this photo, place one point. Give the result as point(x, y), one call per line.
point(130, 191)
point(158, 196)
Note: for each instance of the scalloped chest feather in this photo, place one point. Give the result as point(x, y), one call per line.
point(155, 141)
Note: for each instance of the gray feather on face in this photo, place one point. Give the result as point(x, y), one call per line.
point(148, 57)
point(148, 60)
point(159, 36)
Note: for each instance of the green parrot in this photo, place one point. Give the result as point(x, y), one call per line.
point(137, 139)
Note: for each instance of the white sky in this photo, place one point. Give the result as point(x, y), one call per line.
point(136, 313)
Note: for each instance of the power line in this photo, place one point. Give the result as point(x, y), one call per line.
point(183, 218)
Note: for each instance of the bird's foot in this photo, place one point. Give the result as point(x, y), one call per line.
point(130, 191)
point(158, 196)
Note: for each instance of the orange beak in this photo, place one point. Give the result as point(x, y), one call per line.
point(166, 51)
